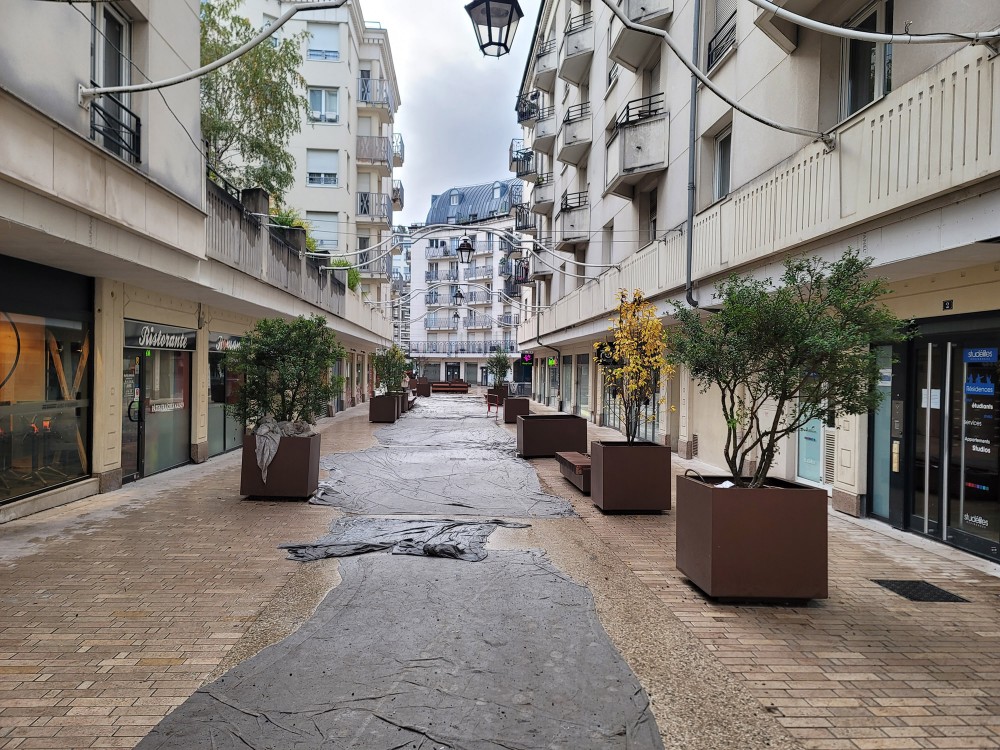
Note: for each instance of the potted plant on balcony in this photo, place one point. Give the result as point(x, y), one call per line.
point(285, 382)
point(778, 356)
point(390, 400)
point(632, 474)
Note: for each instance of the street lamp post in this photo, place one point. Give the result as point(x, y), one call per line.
point(465, 250)
point(495, 22)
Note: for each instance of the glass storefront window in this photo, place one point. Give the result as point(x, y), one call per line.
point(167, 409)
point(583, 385)
point(225, 432)
point(45, 366)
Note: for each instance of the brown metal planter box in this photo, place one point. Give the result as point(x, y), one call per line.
point(500, 393)
point(547, 434)
point(383, 409)
point(514, 408)
point(632, 478)
point(293, 472)
point(423, 389)
point(404, 403)
point(764, 543)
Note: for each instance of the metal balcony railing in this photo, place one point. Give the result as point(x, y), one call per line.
point(640, 109)
point(116, 127)
point(440, 324)
point(722, 41)
point(509, 319)
point(577, 23)
point(435, 299)
point(546, 47)
point(478, 298)
point(440, 275)
point(527, 106)
point(477, 321)
point(375, 206)
point(371, 264)
point(573, 201)
point(462, 347)
point(440, 252)
point(522, 272)
point(397, 192)
point(398, 148)
point(512, 287)
point(577, 112)
point(524, 163)
point(375, 92)
point(374, 149)
point(544, 178)
point(506, 268)
point(478, 272)
point(545, 113)
point(523, 217)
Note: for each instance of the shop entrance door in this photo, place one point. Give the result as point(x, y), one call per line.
point(131, 415)
point(452, 371)
point(957, 443)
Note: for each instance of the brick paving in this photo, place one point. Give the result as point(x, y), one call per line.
point(116, 608)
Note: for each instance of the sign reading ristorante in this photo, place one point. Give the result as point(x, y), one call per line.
point(156, 336)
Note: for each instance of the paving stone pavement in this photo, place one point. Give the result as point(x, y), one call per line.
point(115, 609)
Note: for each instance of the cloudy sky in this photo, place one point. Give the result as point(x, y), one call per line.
point(457, 117)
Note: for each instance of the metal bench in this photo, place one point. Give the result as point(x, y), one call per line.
point(576, 468)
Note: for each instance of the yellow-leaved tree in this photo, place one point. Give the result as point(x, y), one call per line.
point(633, 360)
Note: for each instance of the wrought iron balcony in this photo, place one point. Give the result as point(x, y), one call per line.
point(527, 107)
point(440, 275)
point(546, 128)
point(522, 159)
point(375, 263)
point(509, 319)
point(723, 40)
point(577, 48)
point(640, 109)
point(375, 207)
point(575, 135)
point(546, 61)
point(116, 127)
point(479, 298)
point(543, 194)
point(440, 324)
point(477, 321)
point(478, 272)
point(638, 146)
point(376, 93)
point(398, 150)
point(573, 201)
point(523, 220)
point(441, 251)
point(397, 195)
point(512, 287)
point(375, 149)
point(462, 347)
point(506, 269)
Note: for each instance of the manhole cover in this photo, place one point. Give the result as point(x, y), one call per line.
point(919, 591)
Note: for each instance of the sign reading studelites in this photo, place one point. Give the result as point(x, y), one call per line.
point(980, 432)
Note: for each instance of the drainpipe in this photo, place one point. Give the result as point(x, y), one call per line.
point(692, 142)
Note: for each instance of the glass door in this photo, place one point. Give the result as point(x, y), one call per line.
point(930, 428)
point(132, 415)
point(809, 462)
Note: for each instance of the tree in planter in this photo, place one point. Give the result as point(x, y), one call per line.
point(633, 361)
point(782, 356)
point(284, 370)
point(498, 365)
point(390, 368)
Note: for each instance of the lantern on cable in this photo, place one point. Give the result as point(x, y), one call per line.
point(495, 22)
point(465, 250)
point(458, 298)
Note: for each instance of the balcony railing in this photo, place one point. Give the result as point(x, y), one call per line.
point(462, 347)
point(116, 127)
point(375, 207)
point(440, 275)
point(398, 150)
point(506, 268)
point(477, 321)
point(397, 194)
point(577, 112)
point(546, 47)
point(440, 324)
point(376, 262)
point(478, 272)
point(376, 92)
point(478, 298)
point(512, 287)
point(374, 149)
point(640, 109)
point(572, 201)
point(509, 319)
point(441, 252)
point(527, 106)
point(722, 41)
point(434, 298)
point(576, 23)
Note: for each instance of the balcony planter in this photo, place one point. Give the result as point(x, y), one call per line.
point(752, 543)
point(293, 472)
point(541, 435)
point(514, 408)
point(630, 477)
point(383, 408)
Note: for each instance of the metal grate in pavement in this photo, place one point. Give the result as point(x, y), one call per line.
point(919, 591)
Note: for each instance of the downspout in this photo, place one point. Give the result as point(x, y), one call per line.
point(692, 162)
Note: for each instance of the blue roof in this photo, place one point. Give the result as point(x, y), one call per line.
point(475, 202)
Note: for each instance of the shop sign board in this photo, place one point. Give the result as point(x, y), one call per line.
point(156, 336)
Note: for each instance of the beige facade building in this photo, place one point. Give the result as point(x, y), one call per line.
point(124, 272)
point(908, 174)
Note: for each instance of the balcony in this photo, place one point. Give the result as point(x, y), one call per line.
point(512, 286)
point(475, 273)
point(479, 298)
point(447, 323)
point(506, 268)
point(115, 127)
point(546, 62)
point(398, 150)
point(527, 108)
point(477, 321)
point(434, 299)
point(440, 275)
point(573, 221)
point(630, 48)
point(375, 97)
point(462, 347)
point(577, 49)
point(639, 145)
point(375, 263)
point(375, 151)
point(375, 208)
point(397, 195)
point(509, 319)
point(722, 42)
point(441, 251)
point(523, 220)
point(543, 195)
point(546, 128)
point(575, 135)
point(538, 271)
point(522, 160)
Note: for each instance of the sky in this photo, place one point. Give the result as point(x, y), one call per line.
point(457, 114)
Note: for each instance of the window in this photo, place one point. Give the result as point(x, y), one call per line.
point(723, 161)
point(324, 41)
point(324, 105)
point(867, 66)
point(324, 228)
point(112, 123)
point(497, 191)
point(275, 38)
point(724, 37)
point(322, 167)
point(454, 198)
point(648, 223)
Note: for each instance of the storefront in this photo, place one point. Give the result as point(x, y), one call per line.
point(225, 432)
point(935, 446)
point(46, 318)
point(156, 398)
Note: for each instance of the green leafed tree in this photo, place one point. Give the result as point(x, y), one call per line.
point(251, 107)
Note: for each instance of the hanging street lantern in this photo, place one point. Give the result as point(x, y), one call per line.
point(458, 298)
point(495, 22)
point(465, 250)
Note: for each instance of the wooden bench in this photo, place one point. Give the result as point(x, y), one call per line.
point(576, 468)
point(450, 387)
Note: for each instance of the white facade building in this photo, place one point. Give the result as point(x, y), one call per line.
point(908, 174)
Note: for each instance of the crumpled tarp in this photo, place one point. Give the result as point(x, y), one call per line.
point(445, 537)
point(269, 433)
point(439, 482)
point(505, 654)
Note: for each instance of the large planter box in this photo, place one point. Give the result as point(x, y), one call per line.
point(630, 478)
point(500, 393)
point(766, 543)
point(541, 435)
point(514, 408)
point(383, 409)
point(423, 389)
point(293, 472)
point(404, 402)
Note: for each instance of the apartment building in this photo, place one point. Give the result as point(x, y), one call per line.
point(617, 140)
point(466, 311)
point(347, 149)
point(124, 273)
point(399, 302)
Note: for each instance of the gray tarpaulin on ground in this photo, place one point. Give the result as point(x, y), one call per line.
point(429, 655)
point(445, 537)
